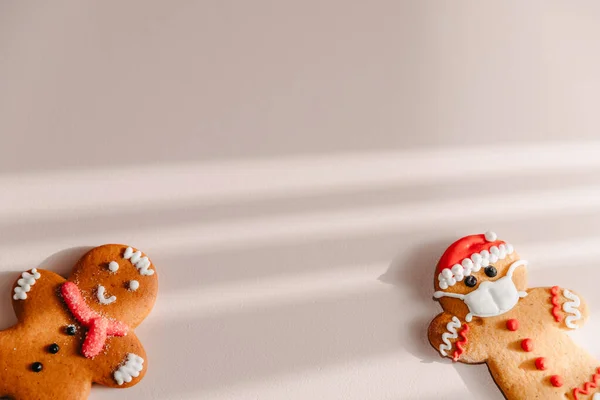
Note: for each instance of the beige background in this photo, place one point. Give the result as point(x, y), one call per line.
point(295, 168)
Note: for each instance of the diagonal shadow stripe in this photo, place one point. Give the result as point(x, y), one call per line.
point(209, 183)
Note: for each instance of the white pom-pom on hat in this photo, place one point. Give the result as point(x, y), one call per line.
point(490, 236)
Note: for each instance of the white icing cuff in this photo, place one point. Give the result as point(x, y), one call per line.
point(451, 334)
point(141, 263)
point(449, 276)
point(571, 308)
point(25, 283)
point(130, 369)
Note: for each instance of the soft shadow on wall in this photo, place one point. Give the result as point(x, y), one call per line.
point(419, 263)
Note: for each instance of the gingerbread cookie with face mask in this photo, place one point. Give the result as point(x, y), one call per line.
point(491, 316)
point(72, 333)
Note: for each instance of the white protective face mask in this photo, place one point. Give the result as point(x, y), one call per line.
point(490, 298)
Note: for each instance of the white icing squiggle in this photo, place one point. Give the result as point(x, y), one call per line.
point(141, 263)
point(570, 307)
point(132, 367)
point(25, 283)
point(101, 295)
point(451, 334)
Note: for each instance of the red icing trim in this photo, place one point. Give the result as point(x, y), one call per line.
point(464, 248)
point(557, 380)
point(555, 302)
point(592, 384)
point(460, 345)
point(527, 345)
point(99, 327)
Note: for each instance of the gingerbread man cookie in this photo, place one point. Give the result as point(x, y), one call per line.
point(75, 332)
point(490, 316)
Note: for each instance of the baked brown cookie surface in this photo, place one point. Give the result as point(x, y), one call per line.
point(490, 316)
point(75, 332)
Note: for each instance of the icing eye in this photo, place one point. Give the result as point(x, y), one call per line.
point(470, 281)
point(134, 285)
point(71, 330)
point(113, 266)
point(491, 271)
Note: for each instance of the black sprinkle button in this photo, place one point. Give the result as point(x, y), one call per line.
point(37, 367)
point(53, 348)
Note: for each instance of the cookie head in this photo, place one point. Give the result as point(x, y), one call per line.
point(480, 275)
point(117, 281)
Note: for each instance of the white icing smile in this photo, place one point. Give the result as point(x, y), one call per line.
point(101, 295)
point(490, 298)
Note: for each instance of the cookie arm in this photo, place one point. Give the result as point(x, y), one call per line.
point(36, 290)
point(450, 337)
point(565, 307)
point(123, 365)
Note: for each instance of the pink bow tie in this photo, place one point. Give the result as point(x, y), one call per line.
point(99, 327)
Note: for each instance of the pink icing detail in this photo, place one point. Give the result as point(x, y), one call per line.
point(96, 338)
point(99, 327)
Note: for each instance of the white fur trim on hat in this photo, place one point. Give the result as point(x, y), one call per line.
point(449, 276)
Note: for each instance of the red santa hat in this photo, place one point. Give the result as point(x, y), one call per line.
point(469, 254)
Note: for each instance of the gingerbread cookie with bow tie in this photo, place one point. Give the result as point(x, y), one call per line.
point(75, 332)
point(491, 316)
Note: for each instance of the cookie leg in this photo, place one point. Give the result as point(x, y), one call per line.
point(124, 365)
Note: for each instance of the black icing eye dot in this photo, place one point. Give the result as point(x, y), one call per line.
point(470, 281)
point(53, 348)
point(71, 330)
point(37, 367)
point(491, 271)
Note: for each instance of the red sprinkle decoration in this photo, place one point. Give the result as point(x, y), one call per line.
point(541, 363)
point(512, 325)
point(556, 380)
point(555, 302)
point(527, 345)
